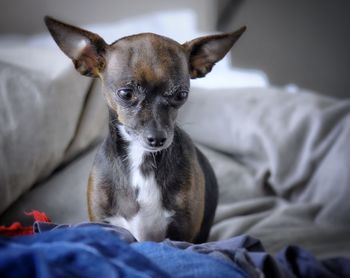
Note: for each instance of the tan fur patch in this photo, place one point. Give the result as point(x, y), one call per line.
point(147, 73)
point(113, 105)
point(90, 193)
point(192, 199)
point(197, 196)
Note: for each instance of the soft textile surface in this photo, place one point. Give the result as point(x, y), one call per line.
point(40, 103)
point(284, 169)
point(92, 252)
point(256, 132)
point(62, 197)
point(87, 250)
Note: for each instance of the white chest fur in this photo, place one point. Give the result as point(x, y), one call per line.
point(151, 221)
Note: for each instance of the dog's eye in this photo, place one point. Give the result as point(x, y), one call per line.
point(180, 96)
point(125, 94)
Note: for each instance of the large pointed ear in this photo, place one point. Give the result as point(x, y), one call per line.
point(204, 52)
point(86, 49)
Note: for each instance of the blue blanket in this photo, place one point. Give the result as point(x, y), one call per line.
point(92, 250)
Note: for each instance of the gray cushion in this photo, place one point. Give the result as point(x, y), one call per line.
point(41, 100)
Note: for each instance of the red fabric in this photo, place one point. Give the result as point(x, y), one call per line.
point(38, 216)
point(16, 228)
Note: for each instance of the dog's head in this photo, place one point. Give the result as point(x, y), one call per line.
point(145, 77)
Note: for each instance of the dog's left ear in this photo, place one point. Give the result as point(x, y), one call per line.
point(86, 49)
point(204, 52)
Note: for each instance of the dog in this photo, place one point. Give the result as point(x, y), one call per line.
point(148, 176)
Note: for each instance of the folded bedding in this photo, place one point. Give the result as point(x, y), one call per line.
point(282, 162)
point(90, 250)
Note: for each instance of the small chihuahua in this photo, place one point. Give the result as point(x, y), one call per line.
point(148, 176)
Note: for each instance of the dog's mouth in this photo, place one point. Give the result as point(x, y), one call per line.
point(155, 149)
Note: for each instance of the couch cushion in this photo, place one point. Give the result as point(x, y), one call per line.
point(41, 100)
point(62, 197)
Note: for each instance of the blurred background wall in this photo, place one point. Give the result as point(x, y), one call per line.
point(26, 16)
point(301, 42)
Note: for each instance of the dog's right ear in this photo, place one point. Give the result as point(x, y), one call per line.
point(85, 48)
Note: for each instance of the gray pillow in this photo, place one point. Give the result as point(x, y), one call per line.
point(41, 102)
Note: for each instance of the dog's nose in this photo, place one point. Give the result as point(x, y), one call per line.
point(156, 140)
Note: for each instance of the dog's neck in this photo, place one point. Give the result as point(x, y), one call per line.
point(142, 169)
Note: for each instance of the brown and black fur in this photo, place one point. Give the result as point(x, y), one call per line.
point(183, 183)
point(156, 71)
